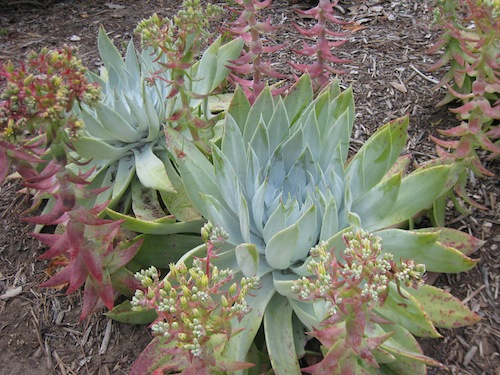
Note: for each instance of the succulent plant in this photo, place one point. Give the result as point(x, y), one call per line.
point(281, 184)
point(123, 137)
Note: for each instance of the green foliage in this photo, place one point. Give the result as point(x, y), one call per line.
point(123, 137)
point(280, 184)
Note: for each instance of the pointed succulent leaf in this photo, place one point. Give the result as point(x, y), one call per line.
point(380, 199)
point(93, 126)
point(461, 241)
point(443, 309)
point(93, 148)
point(293, 242)
point(239, 344)
point(261, 110)
point(377, 156)
point(116, 125)
point(279, 336)
point(405, 348)
point(423, 247)
point(239, 108)
point(123, 313)
point(165, 225)
point(416, 193)
point(155, 175)
point(124, 175)
point(108, 52)
point(300, 95)
point(247, 257)
point(195, 169)
point(178, 203)
point(212, 67)
point(402, 308)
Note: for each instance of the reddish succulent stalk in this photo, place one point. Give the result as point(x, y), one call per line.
point(250, 29)
point(473, 79)
point(36, 128)
point(320, 70)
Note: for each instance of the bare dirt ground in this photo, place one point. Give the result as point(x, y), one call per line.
point(39, 329)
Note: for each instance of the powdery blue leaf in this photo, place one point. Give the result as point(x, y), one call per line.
point(247, 257)
point(279, 335)
point(151, 170)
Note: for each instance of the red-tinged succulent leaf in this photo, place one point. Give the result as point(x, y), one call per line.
point(90, 299)
point(334, 362)
point(271, 49)
point(243, 69)
point(461, 241)
point(465, 147)
point(328, 335)
point(265, 27)
point(308, 13)
point(92, 261)
point(309, 33)
point(456, 131)
point(494, 133)
point(258, 5)
point(487, 144)
point(123, 254)
point(156, 355)
point(355, 327)
point(74, 273)
point(466, 108)
point(489, 111)
point(266, 69)
point(443, 309)
point(330, 17)
point(480, 170)
point(443, 143)
point(58, 243)
point(57, 216)
point(442, 153)
point(106, 291)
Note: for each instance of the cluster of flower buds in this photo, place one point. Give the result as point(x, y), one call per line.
point(193, 305)
point(41, 91)
point(363, 272)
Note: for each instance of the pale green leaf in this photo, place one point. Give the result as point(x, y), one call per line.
point(416, 193)
point(195, 169)
point(108, 52)
point(165, 225)
point(247, 257)
point(94, 126)
point(280, 336)
point(423, 247)
point(178, 202)
point(376, 157)
point(151, 170)
point(116, 125)
point(124, 175)
point(239, 344)
point(301, 94)
point(402, 308)
point(374, 205)
point(93, 148)
point(443, 309)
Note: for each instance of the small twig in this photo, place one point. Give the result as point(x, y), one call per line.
point(50, 364)
point(430, 79)
point(105, 340)
point(60, 363)
point(473, 294)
